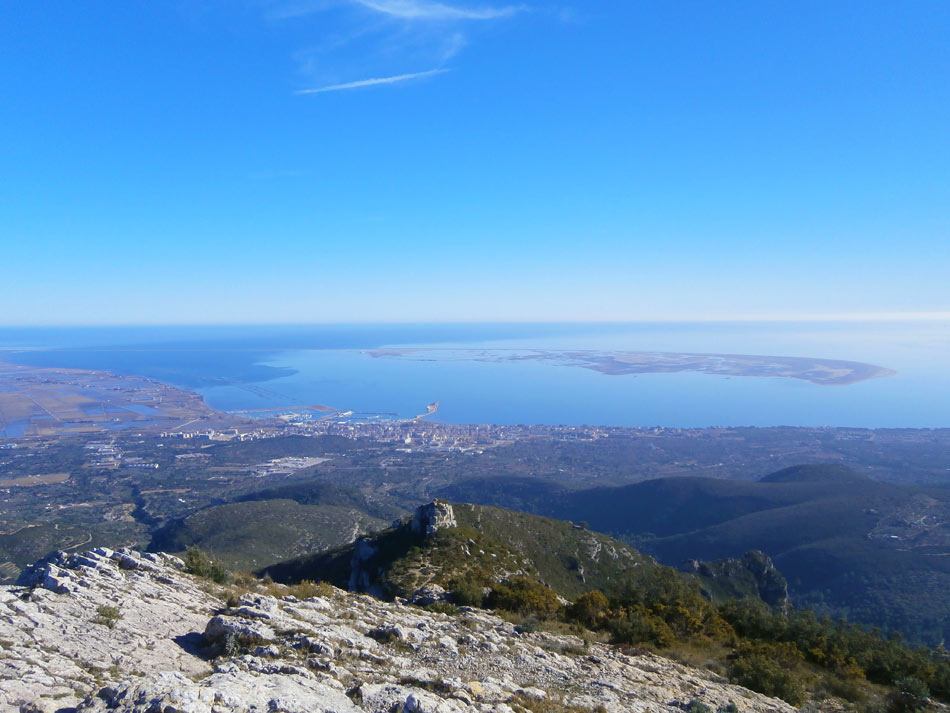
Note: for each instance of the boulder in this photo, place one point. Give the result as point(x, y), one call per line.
point(429, 594)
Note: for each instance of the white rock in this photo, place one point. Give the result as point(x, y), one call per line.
point(313, 656)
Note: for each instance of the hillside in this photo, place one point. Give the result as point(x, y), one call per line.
point(451, 557)
point(250, 535)
point(316, 492)
point(871, 551)
point(123, 632)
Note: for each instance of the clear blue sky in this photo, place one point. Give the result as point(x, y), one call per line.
point(335, 160)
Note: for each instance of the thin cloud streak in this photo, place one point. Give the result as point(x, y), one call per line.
point(421, 10)
point(373, 82)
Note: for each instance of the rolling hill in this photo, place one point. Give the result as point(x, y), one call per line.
point(873, 552)
point(250, 535)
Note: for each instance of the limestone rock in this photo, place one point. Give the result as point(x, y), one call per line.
point(429, 594)
point(429, 519)
point(58, 648)
point(339, 653)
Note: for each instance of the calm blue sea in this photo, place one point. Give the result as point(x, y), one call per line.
point(246, 368)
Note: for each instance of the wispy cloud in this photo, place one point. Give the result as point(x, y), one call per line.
point(372, 82)
point(424, 10)
point(386, 40)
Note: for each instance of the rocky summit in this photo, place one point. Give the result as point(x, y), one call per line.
point(123, 631)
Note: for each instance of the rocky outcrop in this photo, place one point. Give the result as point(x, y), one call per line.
point(362, 573)
point(772, 585)
point(119, 631)
point(753, 575)
point(429, 519)
point(76, 622)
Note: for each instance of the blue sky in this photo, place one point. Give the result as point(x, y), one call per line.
point(401, 160)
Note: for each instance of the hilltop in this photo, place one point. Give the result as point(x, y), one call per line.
point(450, 546)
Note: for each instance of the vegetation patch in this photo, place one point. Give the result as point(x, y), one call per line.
point(525, 704)
point(525, 595)
point(200, 564)
point(108, 615)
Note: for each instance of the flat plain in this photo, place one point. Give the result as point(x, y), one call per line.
point(40, 401)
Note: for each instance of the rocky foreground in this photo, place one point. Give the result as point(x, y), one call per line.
point(123, 631)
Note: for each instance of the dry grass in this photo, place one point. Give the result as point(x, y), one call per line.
point(302, 590)
point(524, 704)
point(706, 655)
point(245, 583)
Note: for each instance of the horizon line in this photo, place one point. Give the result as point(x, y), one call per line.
point(855, 317)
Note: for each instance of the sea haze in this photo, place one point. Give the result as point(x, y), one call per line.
point(250, 368)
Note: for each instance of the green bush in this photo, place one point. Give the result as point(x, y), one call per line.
point(639, 626)
point(442, 608)
point(912, 695)
point(661, 607)
point(467, 592)
point(198, 563)
point(108, 615)
point(590, 609)
point(525, 596)
point(771, 669)
point(844, 650)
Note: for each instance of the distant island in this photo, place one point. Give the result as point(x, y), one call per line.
point(824, 372)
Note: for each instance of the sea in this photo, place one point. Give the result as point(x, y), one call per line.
point(263, 370)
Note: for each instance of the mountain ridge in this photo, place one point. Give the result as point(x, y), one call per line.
point(124, 631)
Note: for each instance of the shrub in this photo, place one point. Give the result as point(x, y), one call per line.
point(467, 592)
point(590, 609)
point(198, 563)
point(108, 615)
point(662, 608)
point(639, 626)
point(525, 596)
point(912, 695)
point(769, 669)
point(844, 650)
point(442, 608)
point(528, 625)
